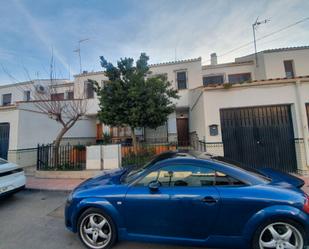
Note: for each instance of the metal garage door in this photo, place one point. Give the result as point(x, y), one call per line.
point(259, 136)
point(4, 139)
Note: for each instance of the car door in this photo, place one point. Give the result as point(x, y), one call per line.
point(184, 205)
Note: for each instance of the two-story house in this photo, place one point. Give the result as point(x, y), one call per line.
point(256, 112)
point(251, 110)
point(23, 126)
point(183, 75)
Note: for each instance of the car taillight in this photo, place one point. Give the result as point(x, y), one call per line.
point(306, 205)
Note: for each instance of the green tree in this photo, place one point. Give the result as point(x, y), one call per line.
point(133, 97)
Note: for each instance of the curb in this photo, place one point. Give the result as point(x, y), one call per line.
point(48, 190)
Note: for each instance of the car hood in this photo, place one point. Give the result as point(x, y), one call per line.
point(279, 177)
point(106, 178)
point(7, 167)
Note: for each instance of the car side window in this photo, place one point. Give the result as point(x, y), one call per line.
point(226, 180)
point(186, 176)
point(152, 176)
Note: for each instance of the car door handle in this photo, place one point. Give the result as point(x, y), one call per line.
point(209, 200)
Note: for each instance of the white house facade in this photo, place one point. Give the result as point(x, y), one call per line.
point(236, 109)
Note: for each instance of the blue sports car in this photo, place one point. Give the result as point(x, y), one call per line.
point(200, 201)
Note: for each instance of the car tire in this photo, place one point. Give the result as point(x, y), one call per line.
point(96, 229)
point(278, 233)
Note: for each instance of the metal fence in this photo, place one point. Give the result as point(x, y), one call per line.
point(66, 157)
point(140, 154)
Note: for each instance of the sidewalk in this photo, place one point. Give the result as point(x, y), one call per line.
point(52, 184)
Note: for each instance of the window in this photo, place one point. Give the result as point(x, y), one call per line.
point(6, 99)
point(151, 177)
point(181, 80)
point(57, 96)
point(27, 96)
point(181, 176)
point(89, 90)
point(225, 180)
point(288, 67)
point(215, 79)
point(70, 95)
point(189, 176)
point(239, 78)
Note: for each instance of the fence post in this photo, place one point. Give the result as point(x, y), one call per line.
point(38, 157)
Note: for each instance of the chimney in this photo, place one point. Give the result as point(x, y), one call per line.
point(213, 59)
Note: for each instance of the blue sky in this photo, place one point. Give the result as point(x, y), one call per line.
point(31, 29)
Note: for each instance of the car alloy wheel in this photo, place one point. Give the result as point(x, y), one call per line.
point(281, 235)
point(95, 231)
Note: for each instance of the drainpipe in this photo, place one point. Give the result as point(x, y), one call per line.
point(303, 120)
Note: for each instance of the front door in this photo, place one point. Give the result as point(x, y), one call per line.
point(183, 131)
point(186, 204)
point(4, 140)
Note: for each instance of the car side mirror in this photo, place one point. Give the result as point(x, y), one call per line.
point(154, 186)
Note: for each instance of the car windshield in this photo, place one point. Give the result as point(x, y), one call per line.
point(135, 172)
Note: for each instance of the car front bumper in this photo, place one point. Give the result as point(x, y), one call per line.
point(12, 183)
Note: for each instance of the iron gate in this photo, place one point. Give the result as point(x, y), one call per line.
point(260, 137)
point(4, 139)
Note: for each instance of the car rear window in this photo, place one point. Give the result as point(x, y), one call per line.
point(239, 165)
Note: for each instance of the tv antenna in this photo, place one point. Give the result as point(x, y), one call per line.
point(79, 54)
point(254, 28)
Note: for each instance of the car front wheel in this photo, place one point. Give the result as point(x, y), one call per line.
point(96, 229)
point(279, 235)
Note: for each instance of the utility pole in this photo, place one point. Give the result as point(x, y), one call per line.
point(79, 54)
point(254, 28)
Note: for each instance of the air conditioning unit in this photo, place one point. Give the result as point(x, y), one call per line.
point(40, 88)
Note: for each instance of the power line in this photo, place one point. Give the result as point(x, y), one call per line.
point(265, 36)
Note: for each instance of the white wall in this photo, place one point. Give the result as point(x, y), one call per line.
point(193, 69)
point(244, 96)
point(17, 90)
point(28, 128)
point(79, 89)
point(274, 63)
point(37, 128)
point(194, 77)
point(197, 113)
point(10, 115)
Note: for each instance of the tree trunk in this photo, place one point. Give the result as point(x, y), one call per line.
point(57, 145)
point(134, 141)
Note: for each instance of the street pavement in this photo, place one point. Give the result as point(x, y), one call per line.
point(33, 219)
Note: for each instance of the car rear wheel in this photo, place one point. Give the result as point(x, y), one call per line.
point(279, 235)
point(96, 229)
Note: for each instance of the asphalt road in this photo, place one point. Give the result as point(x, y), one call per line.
point(34, 220)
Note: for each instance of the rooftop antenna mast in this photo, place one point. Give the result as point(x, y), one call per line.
point(79, 54)
point(254, 28)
